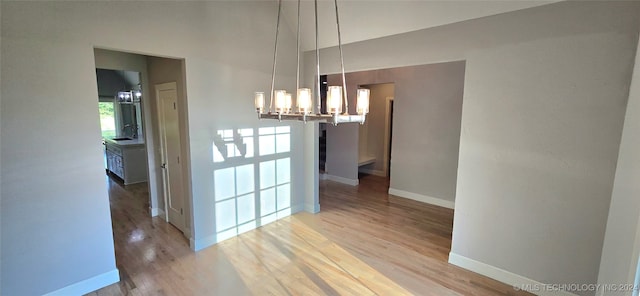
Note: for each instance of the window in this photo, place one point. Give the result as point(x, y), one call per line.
point(252, 178)
point(107, 119)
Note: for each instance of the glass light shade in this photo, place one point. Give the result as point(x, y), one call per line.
point(304, 100)
point(259, 101)
point(280, 97)
point(362, 103)
point(334, 100)
point(138, 94)
point(287, 103)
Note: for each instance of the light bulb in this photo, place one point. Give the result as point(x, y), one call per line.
point(362, 103)
point(287, 102)
point(334, 100)
point(304, 100)
point(259, 101)
point(280, 96)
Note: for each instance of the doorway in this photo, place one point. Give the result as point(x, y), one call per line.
point(322, 141)
point(375, 136)
point(139, 122)
point(121, 124)
point(389, 134)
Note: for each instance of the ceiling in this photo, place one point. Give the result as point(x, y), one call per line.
point(369, 19)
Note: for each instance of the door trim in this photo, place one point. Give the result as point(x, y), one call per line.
point(387, 136)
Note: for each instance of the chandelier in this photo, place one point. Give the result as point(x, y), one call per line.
point(129, 96)
point(281, 103)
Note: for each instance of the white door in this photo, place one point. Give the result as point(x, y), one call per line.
point(170, 149)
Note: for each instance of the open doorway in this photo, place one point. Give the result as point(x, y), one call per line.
point(132, 133)
point(374, 146)
point(322, 141)
point(119, 93)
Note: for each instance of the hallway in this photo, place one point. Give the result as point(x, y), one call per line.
point(363, 242)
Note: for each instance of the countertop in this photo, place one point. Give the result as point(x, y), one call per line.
point(132, 142)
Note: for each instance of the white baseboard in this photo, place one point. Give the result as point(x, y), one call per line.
point(89, 285)
point(509, 278)
point(322, 176)
point(352, 182)
point(156, 212)
point(312, 208)
point(422, 198)
point(297, 208)
point(373, 172)
point(199, 244)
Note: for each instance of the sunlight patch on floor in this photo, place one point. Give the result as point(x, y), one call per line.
point(290, 257)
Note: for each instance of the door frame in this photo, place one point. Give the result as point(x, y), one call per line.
point(387, 136)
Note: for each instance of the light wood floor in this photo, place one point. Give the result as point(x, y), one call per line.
point(363, 242)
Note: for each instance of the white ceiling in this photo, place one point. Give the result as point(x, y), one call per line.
point(368, 19)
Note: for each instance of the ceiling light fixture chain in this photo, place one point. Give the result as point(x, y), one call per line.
point(281, 105)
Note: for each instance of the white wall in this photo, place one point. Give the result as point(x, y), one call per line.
point(622, 239)
point(52, 175)
point(544, 102)
point(391, 17)
point(56, 225)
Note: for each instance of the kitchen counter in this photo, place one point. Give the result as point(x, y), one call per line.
point(127, 159)
point(132, 142)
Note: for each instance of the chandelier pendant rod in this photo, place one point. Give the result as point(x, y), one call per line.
point(275, 56)
point(298, 53)
point(304, 115)
point(344, 80)
point(315, 2)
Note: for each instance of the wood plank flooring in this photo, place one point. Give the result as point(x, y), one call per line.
point(363, 242)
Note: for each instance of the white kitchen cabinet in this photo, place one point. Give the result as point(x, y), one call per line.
point(127, 159)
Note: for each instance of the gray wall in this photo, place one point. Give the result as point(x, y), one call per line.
point(544, 102)
point(56, 228)
point(426, 127)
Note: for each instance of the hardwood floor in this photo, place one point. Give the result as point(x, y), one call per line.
point(363, 242)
